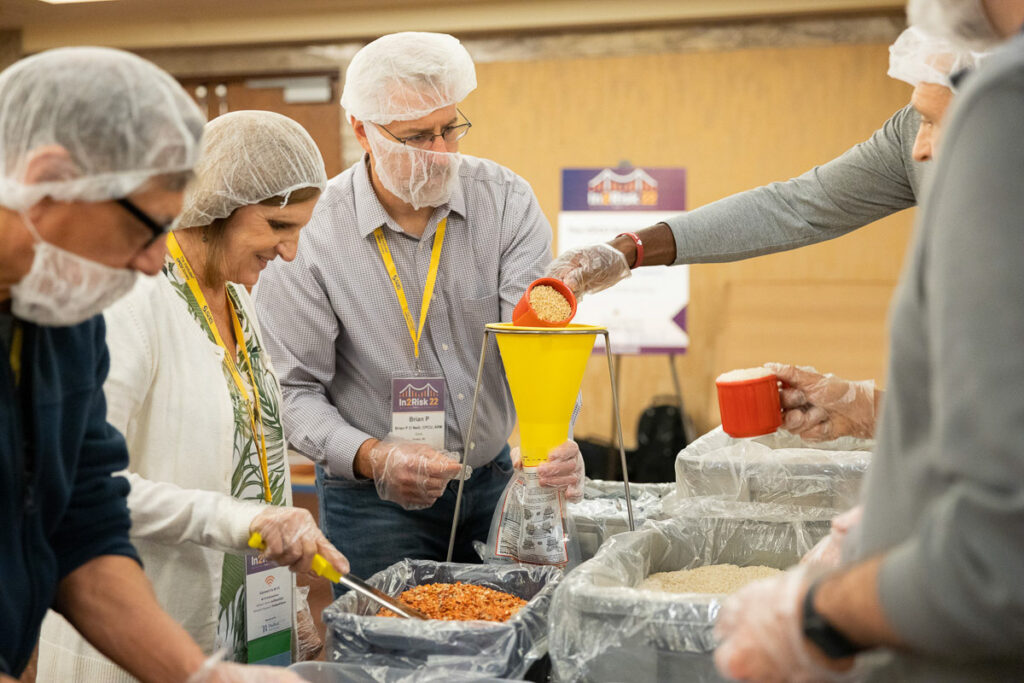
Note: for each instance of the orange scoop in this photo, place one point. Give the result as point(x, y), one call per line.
point(524, 314)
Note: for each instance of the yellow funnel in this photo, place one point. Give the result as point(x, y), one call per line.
point(544, 367)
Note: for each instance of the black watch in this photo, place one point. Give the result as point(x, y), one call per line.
point(819, 631)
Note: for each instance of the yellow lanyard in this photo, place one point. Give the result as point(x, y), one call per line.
point(16, 340)
point(253, 407)
point(428, 289)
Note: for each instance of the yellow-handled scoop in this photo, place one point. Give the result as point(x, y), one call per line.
point(322, 567)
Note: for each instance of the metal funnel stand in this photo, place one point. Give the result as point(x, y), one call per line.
point(535, 396)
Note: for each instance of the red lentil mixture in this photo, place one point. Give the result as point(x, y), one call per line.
point(459, 602)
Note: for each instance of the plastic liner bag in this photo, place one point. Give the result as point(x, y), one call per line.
point(602, 512)
point(775, 468)
point(308, 644)
point(355, 636)
point(531, 525)
point(604, 628)
point(327, 672)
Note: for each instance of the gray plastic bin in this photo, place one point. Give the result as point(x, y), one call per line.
point(776, 468)
point(603, 628)
point(355, 636)
point(602, 513)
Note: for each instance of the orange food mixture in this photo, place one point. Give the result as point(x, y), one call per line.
point(459, 602)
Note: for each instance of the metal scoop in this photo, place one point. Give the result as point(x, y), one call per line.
point(322, 567)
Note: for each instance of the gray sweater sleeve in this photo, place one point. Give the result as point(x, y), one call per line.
point(869, 181)
point(968, 546)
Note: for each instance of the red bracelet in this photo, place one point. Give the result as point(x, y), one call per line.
point(639, 248)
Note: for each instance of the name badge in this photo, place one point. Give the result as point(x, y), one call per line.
point(417, 410)
point(268, 611)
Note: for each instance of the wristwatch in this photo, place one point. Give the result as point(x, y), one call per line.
point(819, 631)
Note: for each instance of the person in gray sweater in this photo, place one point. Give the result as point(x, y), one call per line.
point(936, 577)
point(873, 179)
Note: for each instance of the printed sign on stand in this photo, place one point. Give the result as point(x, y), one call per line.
point(647, 312)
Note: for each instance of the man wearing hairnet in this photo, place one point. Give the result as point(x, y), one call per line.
point(935, 578)
point(96, 147)
point(875, 178)
point(409, 254)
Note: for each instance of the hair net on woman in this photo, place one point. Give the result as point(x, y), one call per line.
point(405, 76)
point(921, 57)
point(246, 158)
point(119, 119)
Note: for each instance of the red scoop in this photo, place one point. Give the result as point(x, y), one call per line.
point(524, 316)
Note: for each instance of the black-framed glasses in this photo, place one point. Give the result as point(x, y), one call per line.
point(157, 229)
point(449, 134)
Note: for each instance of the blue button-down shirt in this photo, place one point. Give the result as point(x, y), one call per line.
point(335, 330)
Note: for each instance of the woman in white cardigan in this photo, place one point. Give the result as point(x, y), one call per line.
point(195, 396)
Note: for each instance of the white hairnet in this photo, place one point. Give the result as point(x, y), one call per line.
point(120, 119)
point(921, 57)
point(247, 157)
point(965, 22)
point(405, 76)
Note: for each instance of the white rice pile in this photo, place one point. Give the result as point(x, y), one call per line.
point(743, 375)
point(713, 578)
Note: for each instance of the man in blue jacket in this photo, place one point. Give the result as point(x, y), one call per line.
point(96, 146)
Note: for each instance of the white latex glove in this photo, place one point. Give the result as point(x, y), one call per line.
point(215, 671)
point(589, 269)
point(759, 631)
point(413, 475)
point(564, 469)
point(828, 552)
point(292, 538)
point(821, 407)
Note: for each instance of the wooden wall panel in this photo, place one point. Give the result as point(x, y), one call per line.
point(735, 120)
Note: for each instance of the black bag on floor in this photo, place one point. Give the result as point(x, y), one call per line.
point(660, 435)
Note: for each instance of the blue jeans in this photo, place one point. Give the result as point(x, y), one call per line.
point(375, 534)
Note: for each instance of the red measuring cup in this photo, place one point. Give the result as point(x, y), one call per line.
point(524, 316)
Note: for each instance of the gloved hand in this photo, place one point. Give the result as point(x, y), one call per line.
point(292, 538)
point(589, 269)
point(564, 469)
point(413, 475)
point(215, 671)
point(760, 637)
point(828, 552)
point(822, 407)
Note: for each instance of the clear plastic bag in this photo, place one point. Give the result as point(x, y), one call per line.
point(531, 525)
point(329, 672)
point(308, 644)
point(355, 636)
point(604, 628)
point(775, 468)
point(602, 512)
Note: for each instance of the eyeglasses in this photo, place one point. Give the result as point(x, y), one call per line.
point(449, 134)
point(157, 229)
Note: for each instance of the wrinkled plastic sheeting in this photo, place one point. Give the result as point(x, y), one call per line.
point(604, 628)
point(355, 636)
point(328, 672)
point(776, 468)
point(602, 512)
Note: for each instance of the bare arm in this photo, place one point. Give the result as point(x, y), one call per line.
point(110, 602)
point(848, 599)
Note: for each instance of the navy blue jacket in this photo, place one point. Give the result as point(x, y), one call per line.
point(59, 505)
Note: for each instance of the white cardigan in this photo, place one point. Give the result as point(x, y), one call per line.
point(166, 393)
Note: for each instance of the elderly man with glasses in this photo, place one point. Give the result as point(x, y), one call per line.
point(408, 255)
